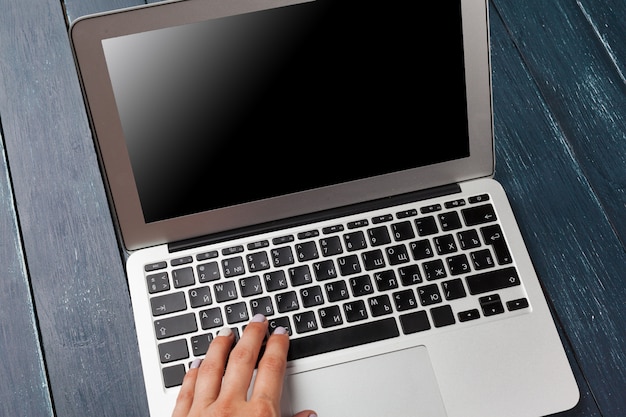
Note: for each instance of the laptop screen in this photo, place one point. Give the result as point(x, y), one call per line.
point(253, 106)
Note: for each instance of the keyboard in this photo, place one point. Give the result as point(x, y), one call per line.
point(341, 283)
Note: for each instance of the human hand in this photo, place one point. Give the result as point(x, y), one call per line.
point(209, 391)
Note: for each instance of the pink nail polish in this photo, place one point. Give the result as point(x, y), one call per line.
point(280, 330)
point(258, 318)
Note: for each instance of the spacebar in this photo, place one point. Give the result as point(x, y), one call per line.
point(342, 338)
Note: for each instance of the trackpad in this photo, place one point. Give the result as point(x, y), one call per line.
point(399, 384)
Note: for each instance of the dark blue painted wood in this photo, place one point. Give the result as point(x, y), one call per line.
point(73, 263)
point(548, 139)
point(24, 387)
point(558, 84)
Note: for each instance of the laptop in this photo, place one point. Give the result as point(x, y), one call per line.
point(328, 164)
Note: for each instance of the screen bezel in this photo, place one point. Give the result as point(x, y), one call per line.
point(86, 37)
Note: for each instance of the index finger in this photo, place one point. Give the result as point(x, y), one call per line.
point(271, 370)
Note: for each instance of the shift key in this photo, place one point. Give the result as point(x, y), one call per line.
point(493, 280)
point(175, 326)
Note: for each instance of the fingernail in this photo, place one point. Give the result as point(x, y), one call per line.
point(226, 331)
point(195, 364)
point(312, 415)
point(280, 330)
point(258, 318)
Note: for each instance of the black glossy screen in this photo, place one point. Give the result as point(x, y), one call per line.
point(258, 105)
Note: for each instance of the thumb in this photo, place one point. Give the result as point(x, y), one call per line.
point(306, 413)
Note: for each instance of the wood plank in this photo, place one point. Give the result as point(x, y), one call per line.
point(78, 8)
point(575, 70)
point(93, 365)
point(24, 391)
point(575, 248)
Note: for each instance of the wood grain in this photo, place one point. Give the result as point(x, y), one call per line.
point(24, 390)
point(75, 268)
point(558, 194)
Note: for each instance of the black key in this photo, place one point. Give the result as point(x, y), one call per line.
point(306, 251)
point(169, 303)
point(402, 231)
point(385, 280)
point(183, 277)
point(482, 259)
point(311, 296)
point(336, 291)
point(380, 305)
point(175, 326)
point(173, 351)
point(373, 259)
point(225, 291)
point(445, 244)
point(421, 249)
point(200, 344)
point(258, 261)
point(491, 305)
point(379, 236)
point(349, 265)
point(397, 254)
point(155, 266)
point(410, 275)
point(429, 294)
point(479, 214)
point(275, 280)
point(280, 322)
point(449, 221)
point(199, 297)
point(434, 270)
point(173, 375)
point(453, 289)
point(355, 240)
point(469, 315)
point(342, 338)
point(305, 322)
point(426, 226)
point(330, 316)
point(287, 301)
point(361, 285)
point(468, 239)
point(282, 256)
point(414, 322)
point(355, 311)
point(262, 306)
point(250, 286)
point(181, 261)
point(208, 272)
point(458, 264)
point(300, 275)
point(331, 246)
point(211, 318)
point(517, 304)
point(324, 270)
point(493, 280)
point(493, 236)
point(158, 282)
point(405, 300)
point(236, 313)
point(233, 266)
point(442, 316)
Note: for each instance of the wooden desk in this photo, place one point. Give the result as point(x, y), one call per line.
point(67, 342)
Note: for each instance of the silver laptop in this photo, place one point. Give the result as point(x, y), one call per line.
point(326, 163)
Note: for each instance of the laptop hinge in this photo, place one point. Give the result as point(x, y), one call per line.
point(315, 217)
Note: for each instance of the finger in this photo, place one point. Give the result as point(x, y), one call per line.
point(210, 373)
point(243, 359)
point(186, 393)
point(271, 371)
point(306, 413)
